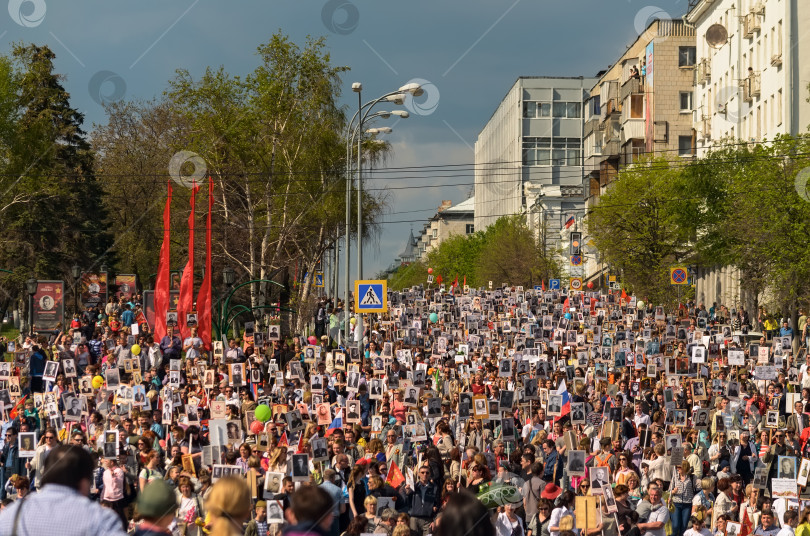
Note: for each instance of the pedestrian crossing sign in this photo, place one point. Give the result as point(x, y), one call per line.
point(371, 296)
point(319, 279)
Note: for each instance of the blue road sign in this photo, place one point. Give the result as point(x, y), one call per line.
point(554, 284)
point(371, 296)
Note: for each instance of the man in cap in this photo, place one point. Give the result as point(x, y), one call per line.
point(156, 504)
point(258, 525)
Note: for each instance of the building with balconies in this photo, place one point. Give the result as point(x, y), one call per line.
point(641, 105)
point(751, 85)
point(754, 66)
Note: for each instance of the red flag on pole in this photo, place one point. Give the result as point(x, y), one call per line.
point(395, 477)
point(204, 298)
point(162, 279)
point(624, 295)
point(542, 285)
point(186, 302)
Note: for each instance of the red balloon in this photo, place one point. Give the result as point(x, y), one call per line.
point(257, 427)
point(590, 284)
point(430, 270)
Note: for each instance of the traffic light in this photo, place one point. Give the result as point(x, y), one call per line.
point(576, 244)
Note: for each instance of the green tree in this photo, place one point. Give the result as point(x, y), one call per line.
point(636, 227)
point(511, 254)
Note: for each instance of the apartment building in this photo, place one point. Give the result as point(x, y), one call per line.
point(643, 104)
point(751, 84)
point(528, 157)
point(449, 220)
point(753, 70)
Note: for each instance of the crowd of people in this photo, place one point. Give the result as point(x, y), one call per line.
point(516, 412)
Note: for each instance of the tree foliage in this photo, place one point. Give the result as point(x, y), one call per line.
point(741, 205)
point(506, 252)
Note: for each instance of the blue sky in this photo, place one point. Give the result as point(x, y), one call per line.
point(470, 51)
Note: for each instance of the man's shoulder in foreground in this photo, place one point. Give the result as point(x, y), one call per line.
point(59, 509)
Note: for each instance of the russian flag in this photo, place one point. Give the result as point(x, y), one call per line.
point(337, 423)
point(566, 398)
point(570, 221)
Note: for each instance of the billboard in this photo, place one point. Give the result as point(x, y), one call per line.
point(649, 96)
point(94, 289)
point(127, 286)
point(149, 304)
point(49, 305)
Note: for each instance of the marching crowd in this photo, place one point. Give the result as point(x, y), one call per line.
point(517, 412)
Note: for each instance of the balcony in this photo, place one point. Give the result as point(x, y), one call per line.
point(706, 128)
point(703, 73)
point(633, 129)
point(751, 87)
point(751, 25)
point(631, 86)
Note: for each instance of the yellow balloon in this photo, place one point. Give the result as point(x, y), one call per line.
point(136, 349)
point(353, 321)
point(98, 381)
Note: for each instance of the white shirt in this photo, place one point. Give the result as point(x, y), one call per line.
point(556, 515)
point(642, 419)
point(504, 527)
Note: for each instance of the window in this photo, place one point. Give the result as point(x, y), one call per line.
point(552, 152)
point(779, 108)
point(684, 145)
point(469, 228)
point(571, 110)
point(687, 56)
point(536, 151)
point(434, 233)
point(533, 110)
point(686, 101)
point(636, 106)
point(597, 107)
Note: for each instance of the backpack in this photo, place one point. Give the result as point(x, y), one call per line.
point(603, 462)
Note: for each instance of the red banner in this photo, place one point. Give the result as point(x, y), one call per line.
point(161, 299)
point(127, 286)
point(204, 299)
point(94, 289)
point(49, 305)
point(186, 303)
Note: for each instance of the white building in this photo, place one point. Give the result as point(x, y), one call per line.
point(751, 84)
point(528, 157)
point(753, 69)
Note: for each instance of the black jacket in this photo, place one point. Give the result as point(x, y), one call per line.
point(422, 500)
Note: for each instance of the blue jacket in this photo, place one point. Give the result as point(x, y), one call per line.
point(36, 366)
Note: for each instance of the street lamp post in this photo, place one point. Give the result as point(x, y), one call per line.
point(397, 97)
point(31, 287)
point(76, 272)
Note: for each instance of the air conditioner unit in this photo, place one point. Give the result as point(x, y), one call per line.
point(776, 60)
point(759, 9)
point(756, 23)
point(721, 108)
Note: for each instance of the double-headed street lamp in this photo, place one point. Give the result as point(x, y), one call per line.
point(362, 115)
